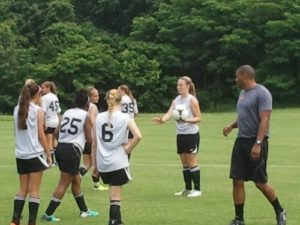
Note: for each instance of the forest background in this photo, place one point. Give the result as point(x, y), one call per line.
point(148, 44)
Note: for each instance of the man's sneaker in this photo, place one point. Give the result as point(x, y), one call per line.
point(236, 222)
point(194, 193)
point(51, 218)
point(101, 188)
point(281, 218)
point(89, 213)
point(184, 192)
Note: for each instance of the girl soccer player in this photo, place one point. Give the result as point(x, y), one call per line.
point(31, 151)
point(51, 107)
point(188, 137)
point(87, 160)
point(74, 131)
point(110, 150)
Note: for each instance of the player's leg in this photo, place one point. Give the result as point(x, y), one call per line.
point(19, 200)
point(35, 180)
point(192, 160)
point(59, 192)
point(115, 205)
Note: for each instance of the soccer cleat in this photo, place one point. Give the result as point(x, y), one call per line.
point(281, 218)
point(89, 213)
point(13, 224)
point(51, 218)
point(101, 188)
point(194, 193)
point(184, 192)
point(115, 222)
point(236, 222)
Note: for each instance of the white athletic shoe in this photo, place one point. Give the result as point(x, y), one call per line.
point(184, 192)
point(194, 193)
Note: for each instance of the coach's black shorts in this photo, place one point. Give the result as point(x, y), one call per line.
point(117, 177)
point(87, 149)
point(68, 158)
point(50, 130)
point(26, 166)
point(242, 167)
point(188, 143)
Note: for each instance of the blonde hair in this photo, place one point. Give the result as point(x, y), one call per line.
point(113, 98)
point(189, 81)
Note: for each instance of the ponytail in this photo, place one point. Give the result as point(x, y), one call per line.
point(113, 98)
point(28, 93)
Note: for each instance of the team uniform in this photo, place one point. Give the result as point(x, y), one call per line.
point(188, 137)
point(111, 158)
point(51, 107)
point(250, 103)
point(71, 140)
point(29, 152)
point(129, 106)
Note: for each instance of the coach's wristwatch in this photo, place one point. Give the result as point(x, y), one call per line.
point(258, 142)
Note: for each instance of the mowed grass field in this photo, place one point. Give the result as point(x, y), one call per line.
point(156, 172)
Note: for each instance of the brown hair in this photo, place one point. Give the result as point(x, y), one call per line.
point(189, 81)
point(27, 94)
point(113, 98)
point(89, 90)
point(127, 91)
point(51, 85)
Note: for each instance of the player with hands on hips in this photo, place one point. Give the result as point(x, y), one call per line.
point(110, 150)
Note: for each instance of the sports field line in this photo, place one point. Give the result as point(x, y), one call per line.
point(178, 165)
point(207, 165)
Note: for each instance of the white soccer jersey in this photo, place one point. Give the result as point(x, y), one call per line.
point(72, 127)
point(181, 127)
point(129, 106)
point(27, 143)
point(110, 153)
point(50, 105)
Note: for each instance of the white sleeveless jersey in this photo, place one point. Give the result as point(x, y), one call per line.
point(27, 143)
point(110, 153)
point(72, 127)
point(50, 105)
point(129, 106)
point(181, 127)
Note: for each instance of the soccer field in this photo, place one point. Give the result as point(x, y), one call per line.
point(156, 171)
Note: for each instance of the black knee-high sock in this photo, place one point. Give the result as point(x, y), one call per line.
point(277, 207)
point(195, 174)
point(115, 212)
point(54, 203)
point(19, 202)
point(187, 178)
point(239, 211)
point(81, 203)
point(33, 205)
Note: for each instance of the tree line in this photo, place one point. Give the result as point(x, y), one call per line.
point(148, 44)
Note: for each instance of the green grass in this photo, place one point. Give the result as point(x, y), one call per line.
point(156, 172)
